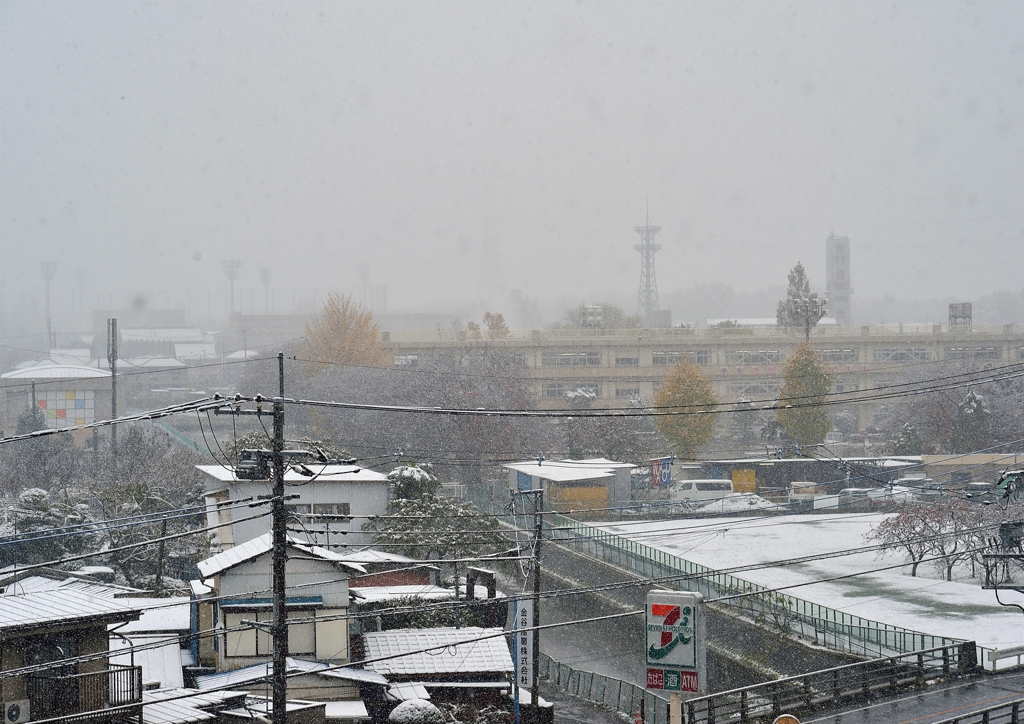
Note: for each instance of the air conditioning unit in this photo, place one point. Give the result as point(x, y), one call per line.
point(16, 712)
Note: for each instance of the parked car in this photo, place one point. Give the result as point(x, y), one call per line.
point(852, 499)
point(693, 490)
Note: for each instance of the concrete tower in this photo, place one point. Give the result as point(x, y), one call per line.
point(837, 277)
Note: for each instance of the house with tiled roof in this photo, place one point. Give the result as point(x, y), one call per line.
point(469, 664)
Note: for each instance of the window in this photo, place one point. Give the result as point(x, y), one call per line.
point(244, 639)
point(718, 487)
point(627, 360)
point(554, 389)
point(584, 389)
point(630, 393)
point(333, 511)
point(754, 358)
point(901, 355)
point(570, 359)
point(973, 353)
point(406, 360)
point(665, 358)
point(838, 355)
point(700, 356)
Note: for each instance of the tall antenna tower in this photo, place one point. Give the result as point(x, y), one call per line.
point(648, 299)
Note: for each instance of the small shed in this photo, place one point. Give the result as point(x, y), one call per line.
point(594, 484)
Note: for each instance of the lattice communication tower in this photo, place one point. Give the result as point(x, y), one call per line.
point(648, 299)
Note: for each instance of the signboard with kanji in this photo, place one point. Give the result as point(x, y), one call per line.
point(676, 641)
point(523, 641)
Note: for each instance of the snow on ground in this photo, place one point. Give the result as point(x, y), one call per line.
point(956, 609)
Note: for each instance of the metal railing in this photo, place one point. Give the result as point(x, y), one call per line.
point(830, 687)
point(615, 694)
point(1009, 713)
point(825, 626)
point(86, 697)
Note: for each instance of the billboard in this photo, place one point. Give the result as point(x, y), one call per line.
point(661, 472)
point(676, 647)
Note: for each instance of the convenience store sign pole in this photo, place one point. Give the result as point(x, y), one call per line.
point(676, 646)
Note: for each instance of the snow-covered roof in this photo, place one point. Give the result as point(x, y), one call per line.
point(46, 608)
point(401, 651)
point(163, 334)
point(376, 594)
point(30, 584)
point(185, 706)
point(560, 471)
point(372, 555)
point(258, 672)
point(159, 614)
point(50, 370)
point(195, 350)
point(739, 503)
point(264, 544)
point(150, 362)
point(321, 473)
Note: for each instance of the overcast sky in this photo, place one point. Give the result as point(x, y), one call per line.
point(463, 150)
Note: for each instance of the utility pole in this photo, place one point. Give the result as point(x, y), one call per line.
point(280, 541)
point(538, 532)
point(279, 538)
point(112, 359)
point(231, 267)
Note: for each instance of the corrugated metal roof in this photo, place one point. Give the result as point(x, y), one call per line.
point(184, 706)
point(349, 673)
point(40, 608)
point(560, 471)
point(264, 544)
point(453, 651)
point(404, 691)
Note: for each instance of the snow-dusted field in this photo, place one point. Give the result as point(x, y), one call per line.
point(958, 609)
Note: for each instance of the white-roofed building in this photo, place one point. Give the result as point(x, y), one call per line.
point(590, 485)
point(66, 394)
point(240, 584)
point(328, 495)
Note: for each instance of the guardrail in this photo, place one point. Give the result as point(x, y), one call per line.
point(788, 614)
point(830, 687)
point(1009, 713)
point(615, 694)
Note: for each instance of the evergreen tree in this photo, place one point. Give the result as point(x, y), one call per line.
point(792, 311)
point(807, 381)
point(908, 442)
point(413, 482)
point(970, 427)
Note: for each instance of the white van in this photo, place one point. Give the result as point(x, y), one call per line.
point(700, 490)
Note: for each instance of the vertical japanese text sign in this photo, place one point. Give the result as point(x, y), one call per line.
point(523, 645)
point(676, 641)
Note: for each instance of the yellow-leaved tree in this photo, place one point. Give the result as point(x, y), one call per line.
point(687, 393)
point(807, 381)
point(344, 332)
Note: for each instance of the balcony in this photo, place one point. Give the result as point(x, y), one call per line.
point(113, 695)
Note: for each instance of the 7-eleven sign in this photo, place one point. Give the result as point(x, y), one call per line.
point(676, 641)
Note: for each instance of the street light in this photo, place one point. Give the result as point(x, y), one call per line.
point(48, 268)
point(231, 267)
point(811, 310)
